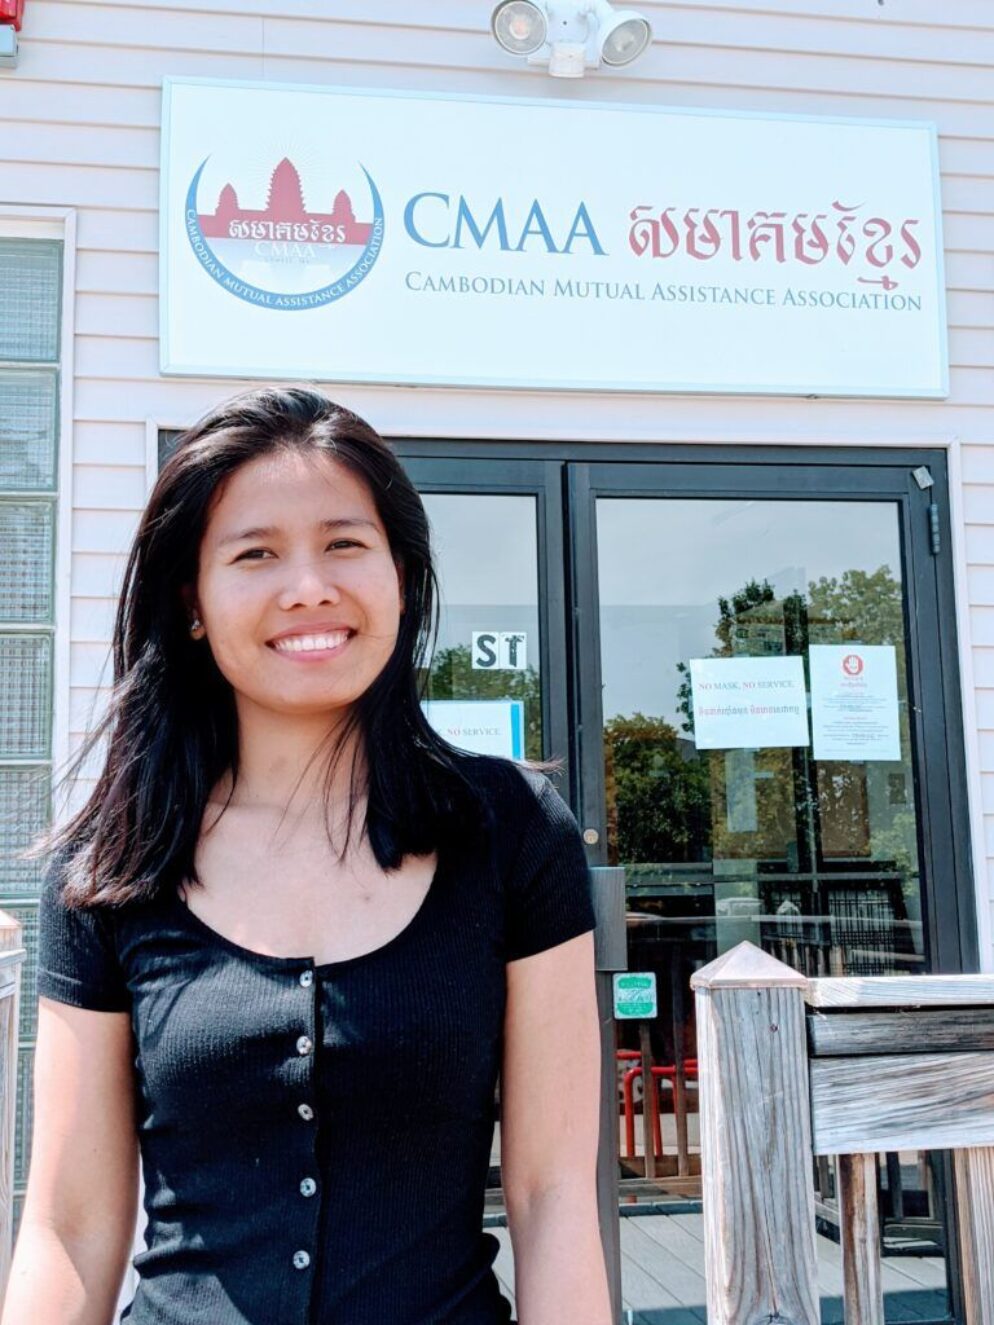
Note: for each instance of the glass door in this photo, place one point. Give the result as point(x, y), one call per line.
point(759, 770)
point(653, 593)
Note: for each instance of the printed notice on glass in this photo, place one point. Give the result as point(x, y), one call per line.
point(854, 713)
point(483, 726)
point(748, 703)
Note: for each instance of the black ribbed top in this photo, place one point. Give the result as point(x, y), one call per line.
point(315, 1139)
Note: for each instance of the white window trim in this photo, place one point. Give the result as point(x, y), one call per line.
point(18, 222)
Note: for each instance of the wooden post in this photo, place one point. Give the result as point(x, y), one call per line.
point(11, 957)
point(859, 1218)
point(759, 1215)
point(975, 1212)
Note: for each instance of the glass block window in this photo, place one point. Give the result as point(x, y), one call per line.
point(25, 696)
point(27, 537)
point(27, 913)
point(25, 809)
point(29, 421)
point(30, 299)
point(30, 323)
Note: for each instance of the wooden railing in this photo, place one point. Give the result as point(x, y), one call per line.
point(792, 1068)
point(11, 959)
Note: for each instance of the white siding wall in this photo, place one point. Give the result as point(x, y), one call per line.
point(79, 127)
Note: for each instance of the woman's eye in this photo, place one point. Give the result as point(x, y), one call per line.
point(255, 553)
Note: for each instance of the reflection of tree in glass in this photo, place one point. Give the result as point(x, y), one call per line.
point(453, 676)
point(742, 632)
point(858, 811)
point(857, 606)
point(867, 608)
point(657, 792)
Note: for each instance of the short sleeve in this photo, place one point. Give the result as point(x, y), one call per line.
point(548, 898)
point(77, 960)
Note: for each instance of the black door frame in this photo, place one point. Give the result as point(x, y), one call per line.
point(566, 480)
point(521, 475)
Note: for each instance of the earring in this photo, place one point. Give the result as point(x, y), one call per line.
point(196, 627)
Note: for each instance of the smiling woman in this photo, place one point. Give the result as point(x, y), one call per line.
point(289, 894)
point(296, 562)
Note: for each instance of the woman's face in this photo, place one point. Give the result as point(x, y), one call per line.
point(297, 587)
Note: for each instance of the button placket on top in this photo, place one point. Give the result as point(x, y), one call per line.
point(304, 1047)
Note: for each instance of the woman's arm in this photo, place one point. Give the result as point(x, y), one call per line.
point(78, 1222)
point(550, 1109)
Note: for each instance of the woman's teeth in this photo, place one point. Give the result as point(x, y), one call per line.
point(308, 643)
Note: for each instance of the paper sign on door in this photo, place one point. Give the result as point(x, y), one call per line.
point(485, 726)
point(854, 714)
point(748, 703)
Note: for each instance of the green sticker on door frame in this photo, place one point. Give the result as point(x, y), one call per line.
point(635, 995)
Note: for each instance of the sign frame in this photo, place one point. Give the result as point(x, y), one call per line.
point(169, 366)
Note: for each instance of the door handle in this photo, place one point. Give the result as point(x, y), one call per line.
point(607, 887)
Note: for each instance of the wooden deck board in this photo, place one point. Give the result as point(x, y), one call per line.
point(684, 1281)
point(662, 1269)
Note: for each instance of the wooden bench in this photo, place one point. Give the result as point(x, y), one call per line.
point(792, 1068)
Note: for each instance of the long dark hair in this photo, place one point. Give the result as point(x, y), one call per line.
point(171, 721)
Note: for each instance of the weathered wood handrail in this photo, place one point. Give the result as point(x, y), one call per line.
point(791, 1068)
point(12, 955)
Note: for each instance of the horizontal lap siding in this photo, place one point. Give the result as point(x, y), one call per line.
point(80, 121)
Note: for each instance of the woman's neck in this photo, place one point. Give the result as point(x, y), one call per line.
point(282, 766)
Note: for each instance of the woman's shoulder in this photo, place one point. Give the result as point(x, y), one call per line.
point(524, 807)
point(508, 785)
point(539, 856)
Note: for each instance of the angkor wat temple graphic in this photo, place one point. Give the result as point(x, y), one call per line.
point(285, 216)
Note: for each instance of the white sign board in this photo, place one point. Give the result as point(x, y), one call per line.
point(485, 726)
point(748, 703)
point(854, 712)
point(340, 234)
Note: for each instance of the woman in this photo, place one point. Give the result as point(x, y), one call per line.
point(293, 936)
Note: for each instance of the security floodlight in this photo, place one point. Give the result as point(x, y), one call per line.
point(8, 46)
point(623, 34)
point(569, 37)
point(519, 26)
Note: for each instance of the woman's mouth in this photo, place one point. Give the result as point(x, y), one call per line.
point(312, 648)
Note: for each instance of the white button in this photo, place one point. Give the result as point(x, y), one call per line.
point(307, 978)
point(305, 1111)
point(301, 1260)
point(308, 1187)
point(305, 1044)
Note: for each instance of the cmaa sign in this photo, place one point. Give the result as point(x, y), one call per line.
point(653, 249)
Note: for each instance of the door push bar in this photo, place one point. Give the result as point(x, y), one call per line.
point(607, 883)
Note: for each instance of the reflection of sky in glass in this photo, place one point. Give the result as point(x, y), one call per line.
point(486, 556)
point(664, 563)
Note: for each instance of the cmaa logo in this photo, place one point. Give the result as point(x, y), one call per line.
point(852, 664)
point(283, 255)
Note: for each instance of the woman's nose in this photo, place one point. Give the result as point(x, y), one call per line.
point(309, 583)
